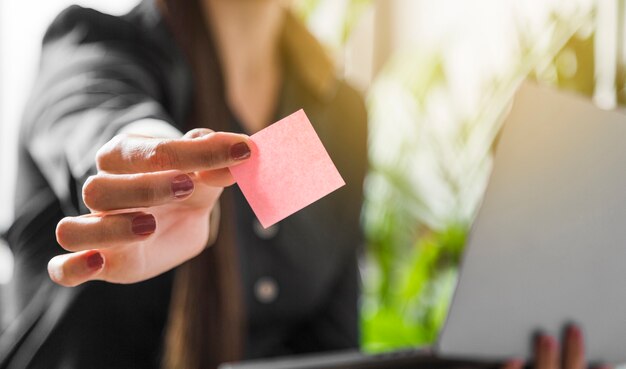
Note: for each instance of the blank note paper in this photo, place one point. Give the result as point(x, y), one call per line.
point(288, 169)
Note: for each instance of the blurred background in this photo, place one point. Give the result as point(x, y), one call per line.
point(438, 77)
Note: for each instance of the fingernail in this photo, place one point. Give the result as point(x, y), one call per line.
point(144, 224)
point(548, 343)
point(182, 186)
point(240, 151)
point(575, 333)
point(94, 261)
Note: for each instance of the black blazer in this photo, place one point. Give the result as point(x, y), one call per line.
point(99, 73)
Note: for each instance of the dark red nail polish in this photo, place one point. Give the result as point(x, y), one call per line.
point(94, 261)
point(240, 151)
point(182, 186)
point(144, 224)
point(575, 332)
point(548, 343)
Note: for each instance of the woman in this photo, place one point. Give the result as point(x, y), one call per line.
point(102, 135)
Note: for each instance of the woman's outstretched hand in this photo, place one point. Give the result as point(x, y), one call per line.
point(150, 201)
point(548, 354)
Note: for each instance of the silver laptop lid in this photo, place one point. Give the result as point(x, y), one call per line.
point(548, 245)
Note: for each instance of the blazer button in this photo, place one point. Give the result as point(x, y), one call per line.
point(264, 233)
point(266, 290)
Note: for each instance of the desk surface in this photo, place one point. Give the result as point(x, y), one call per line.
point(402, 359)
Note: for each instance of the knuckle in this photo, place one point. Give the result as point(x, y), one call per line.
point(105, 230)
point(108, 151)
point(147, 194)
point(198, 132)
point(213, 158)
point(162, 156)
point(56, 270)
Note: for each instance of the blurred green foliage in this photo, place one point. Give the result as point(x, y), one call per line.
point(413, 309)
point(353, 9)
point(430, 161)
point(430, 156)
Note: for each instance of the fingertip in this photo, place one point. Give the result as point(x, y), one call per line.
point(546, 343)
point(95, 194)
point(55, 270)
point(61, 231)
point(575, 333)
point(550, 343)
point(70, 270)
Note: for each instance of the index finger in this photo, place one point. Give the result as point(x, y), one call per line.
point(126, 154)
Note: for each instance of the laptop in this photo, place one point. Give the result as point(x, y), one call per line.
point(547, 247)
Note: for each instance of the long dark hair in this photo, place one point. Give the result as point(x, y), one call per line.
point(206, 321)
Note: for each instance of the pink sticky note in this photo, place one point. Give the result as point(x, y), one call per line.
point(288, 169)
